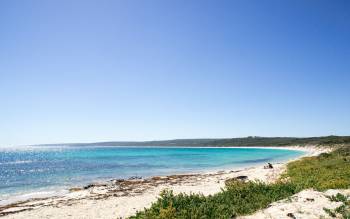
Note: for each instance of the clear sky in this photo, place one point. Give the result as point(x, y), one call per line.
point(86, 71)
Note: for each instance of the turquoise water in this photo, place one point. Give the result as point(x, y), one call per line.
point(35, 169)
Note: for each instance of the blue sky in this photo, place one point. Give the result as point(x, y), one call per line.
point(85, 71)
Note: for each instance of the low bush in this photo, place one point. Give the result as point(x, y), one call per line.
point(326, 171)
point(343, 210)
point(238, 198)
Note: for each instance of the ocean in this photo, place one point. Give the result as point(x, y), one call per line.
point(26, 171)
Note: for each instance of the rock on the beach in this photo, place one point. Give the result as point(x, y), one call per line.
point(241, 178)
point(135, 177)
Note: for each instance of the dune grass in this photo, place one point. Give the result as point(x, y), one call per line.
point(327, 171)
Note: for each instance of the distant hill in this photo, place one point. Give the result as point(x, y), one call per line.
point(247, 141)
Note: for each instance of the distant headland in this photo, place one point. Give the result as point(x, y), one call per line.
point(223, 142)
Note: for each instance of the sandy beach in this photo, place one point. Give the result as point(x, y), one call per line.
point(123, 198)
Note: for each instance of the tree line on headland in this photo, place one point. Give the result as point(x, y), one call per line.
point(221, 142)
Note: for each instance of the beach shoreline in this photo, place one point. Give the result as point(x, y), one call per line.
point(122, 198)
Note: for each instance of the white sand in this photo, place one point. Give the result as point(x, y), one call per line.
point(115, 200)
point(306, 204)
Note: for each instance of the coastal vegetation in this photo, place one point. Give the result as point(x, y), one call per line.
point(238, 198)
point(343, 209)
point(326, 171)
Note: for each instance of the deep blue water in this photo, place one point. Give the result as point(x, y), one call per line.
point(25, 170)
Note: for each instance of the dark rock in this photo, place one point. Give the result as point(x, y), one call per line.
point(94, 185)
point(310, 199)
point(88, 186)
point(241, 178)
point(235, 179)
point(135, 177)
point(291, 215)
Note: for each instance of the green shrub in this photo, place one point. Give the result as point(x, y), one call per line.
point(327, 171)
point(343, 210)
point(238, 198)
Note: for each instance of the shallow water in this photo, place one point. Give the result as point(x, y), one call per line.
point(42, 169)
